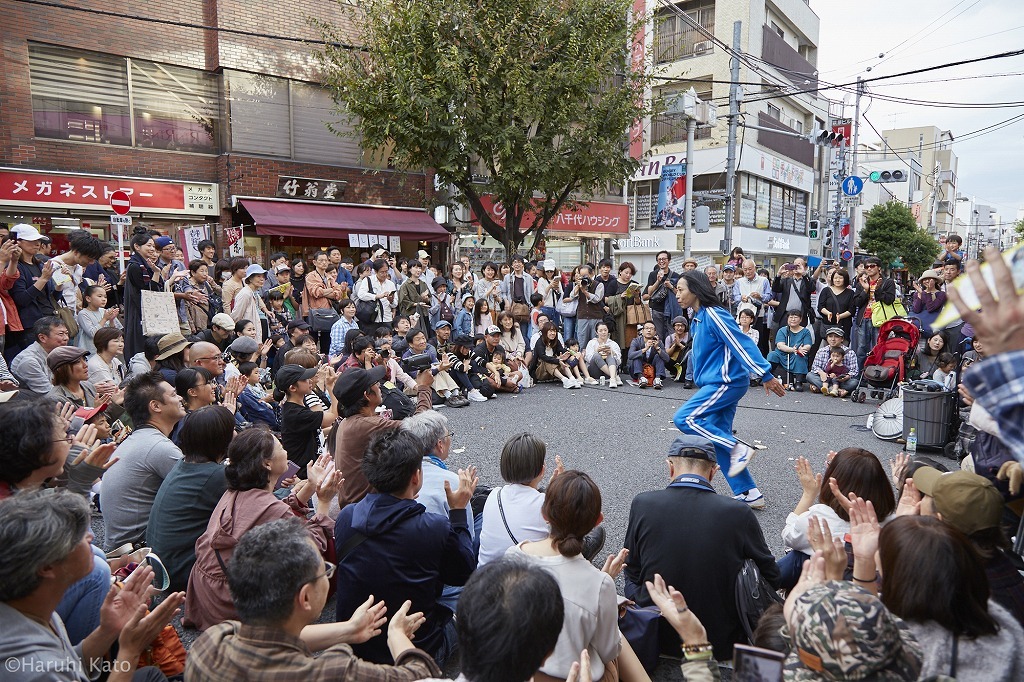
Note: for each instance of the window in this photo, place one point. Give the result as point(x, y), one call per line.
point(90, 97)
point(676, 37)
point(278, 117)
point(777, 29)
point(668, 128)
point(775, 112)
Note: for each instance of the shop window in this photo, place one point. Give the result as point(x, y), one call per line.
point(175, 108)
point(312, 111)
point(79, 96)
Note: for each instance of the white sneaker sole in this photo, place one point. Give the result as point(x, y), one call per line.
point(736, 467)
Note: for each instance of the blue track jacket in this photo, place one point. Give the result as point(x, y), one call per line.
point(722, 354)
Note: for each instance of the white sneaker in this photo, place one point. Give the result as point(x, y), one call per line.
point(590, 381)
point(568, 383)
point(614, 382)
point(476, 396)
point(642, 382)
point(740, 458)
point(657, 383)
point(753, 498)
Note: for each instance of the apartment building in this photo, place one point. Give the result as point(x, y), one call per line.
point(933, 147)
point(777, 175)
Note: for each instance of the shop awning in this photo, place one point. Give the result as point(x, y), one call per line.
point(331, 222)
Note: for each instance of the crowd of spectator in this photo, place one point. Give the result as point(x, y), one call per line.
point(284, 445)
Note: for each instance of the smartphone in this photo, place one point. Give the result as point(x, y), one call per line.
point(292, 469)
point(76, 425)
point(753, 663)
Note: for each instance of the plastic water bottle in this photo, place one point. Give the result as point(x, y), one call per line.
point(602, 381)
point(912, 442)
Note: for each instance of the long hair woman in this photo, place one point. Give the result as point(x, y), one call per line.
point(142, 276)
point(724, 359)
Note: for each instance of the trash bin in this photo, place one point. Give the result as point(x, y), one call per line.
point(929, 413)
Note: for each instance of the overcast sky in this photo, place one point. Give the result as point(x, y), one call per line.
point(991, 167)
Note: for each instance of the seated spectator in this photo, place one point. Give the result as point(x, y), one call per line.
point(503, 597)
point(196, 387)
point(144, 362)
point(928, 358)
point(220, 333)
point(105, 367)
point(358, 395)
point(301, 423)
point(244, 349)
point(549, 358)
point(572, 506)
point(972, 505)
point(851, 470)
point(362, 354)
point(934, 579)
point(279, 602)
point(467, 371)
point(34, 449)
point(254, 402)
point(70, 371)
point(647, 358)
point(256, 460)
point(187, 497)
point(513, 342)
point(294, 330)
point(578, 370)
point(840, 631)
point(145, 458)
point(677, 346)
point(505, 381)
point(603, 356)
point(392, 548)
point(30, 367)
point(46, 553)
point(817, 377)
point(170, 357)
point(701, 560)
point(789, 358)
point(945, 370)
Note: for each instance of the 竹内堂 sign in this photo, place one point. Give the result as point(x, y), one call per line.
point(42, 189)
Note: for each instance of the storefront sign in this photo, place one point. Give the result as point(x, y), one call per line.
point(63, 191)
point(671, 197)
point(236, 245)
point(778, 243)
point(311, 189)
point(190, 238)
point(648, 241)
point(594, 217)
point(780, 170)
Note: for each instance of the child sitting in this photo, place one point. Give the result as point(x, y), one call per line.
point(254, 402)
point(945, 372)
point(835, 373)
point(502, 374)
point(577, 367)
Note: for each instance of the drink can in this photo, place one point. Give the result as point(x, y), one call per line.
point(602, 381)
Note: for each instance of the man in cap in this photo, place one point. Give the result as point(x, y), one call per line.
point(295, 329)
point(482, 354)
point(701, 559)
point(33, 290)
point(301, 424)
point(424, 258)
point(30, 366)
point(690, 264)
point(816, 377)
point(879, 291)
point(145, 458)
point(726, 289)
point(220, 333)
point(165, 260)
point(357, 396)
point(971, 504)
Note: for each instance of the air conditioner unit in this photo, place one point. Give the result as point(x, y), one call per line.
point(705, 46)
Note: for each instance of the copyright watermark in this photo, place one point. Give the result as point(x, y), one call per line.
point(64, 665)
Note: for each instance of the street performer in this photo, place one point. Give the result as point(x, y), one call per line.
point(724, 360)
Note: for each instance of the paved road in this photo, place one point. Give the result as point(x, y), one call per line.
point(619, 436)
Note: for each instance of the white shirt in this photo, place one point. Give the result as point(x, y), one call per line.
point(522, 512)
point(794, 535)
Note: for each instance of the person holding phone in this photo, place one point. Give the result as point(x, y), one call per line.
point(660, 285)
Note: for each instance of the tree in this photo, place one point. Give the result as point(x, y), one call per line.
point(890, 232)
point(1018, 228)
point(529, 101)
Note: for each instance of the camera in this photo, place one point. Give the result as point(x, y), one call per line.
point(585, 282)
point(417, 362)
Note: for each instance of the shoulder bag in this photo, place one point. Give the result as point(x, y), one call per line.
point(882, 312)
point(638, 313)
point(366, 311)
point(753, 597)
point(501, 510)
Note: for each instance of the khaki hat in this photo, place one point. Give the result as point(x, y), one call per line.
point(224, 321)
point(931, 274)
point(169, 344)
point(967, 501)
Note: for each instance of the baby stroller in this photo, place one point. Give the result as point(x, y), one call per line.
point(887, 363)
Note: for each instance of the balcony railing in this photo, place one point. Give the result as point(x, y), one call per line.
point(795, 68)
point(800, 150)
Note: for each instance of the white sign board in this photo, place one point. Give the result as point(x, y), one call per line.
point(120, 219)
point(159, 315)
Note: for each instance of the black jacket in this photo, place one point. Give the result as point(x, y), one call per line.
point(783, 290)
point(885, 292)
point(697, 540)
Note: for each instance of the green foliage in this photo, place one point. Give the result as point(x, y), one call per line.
point(1018, 227)
point(890, 232)
point(524, 99)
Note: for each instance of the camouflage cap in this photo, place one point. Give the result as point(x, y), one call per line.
point(839, 631)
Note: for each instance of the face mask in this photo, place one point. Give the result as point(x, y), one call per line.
point(225, 276)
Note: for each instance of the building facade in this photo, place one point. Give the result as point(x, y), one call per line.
point(208, 113)
point(937, 198)
point(776, 191)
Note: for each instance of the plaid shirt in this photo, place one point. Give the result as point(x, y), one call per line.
point(233, 650)
point(997, 384)
point(821, 359)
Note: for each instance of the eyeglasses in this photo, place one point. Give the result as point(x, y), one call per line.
point(870, 265)
point(451, 435)
point(328, 573)
point(212, 357)
point(65, 439)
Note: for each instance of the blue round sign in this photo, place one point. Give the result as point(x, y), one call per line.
point(852, 186)
point(846, 255)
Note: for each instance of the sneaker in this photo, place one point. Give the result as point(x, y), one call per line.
point(642, 382)
point(740, 457)
point(455, 400)
point(576, 383)
point(688, 384)
point(810, 387)
point(568, 383)
point(753, 498)
point(657, 383)
point(591, 381)
point(614, 382)
point(634, 383)
point(476, 396)
point(835, 391)
point(493, 396)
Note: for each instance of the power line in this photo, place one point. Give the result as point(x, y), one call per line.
point(185, 24)
point(892, 53)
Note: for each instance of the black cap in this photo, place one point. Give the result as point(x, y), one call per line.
point(693, 447)
point(354, 382)
point(464, 340)
point(298, 324)
point(287, 376)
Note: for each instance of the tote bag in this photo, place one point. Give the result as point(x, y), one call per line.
point(882, 312)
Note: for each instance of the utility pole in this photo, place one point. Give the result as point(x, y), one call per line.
point(839, 200)
point(734, 117)
point(856, 137)
point(691, 127)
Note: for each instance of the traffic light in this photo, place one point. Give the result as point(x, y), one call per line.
point(887, 176)
point(826, 240)
point(812, 229)
point(824, 138)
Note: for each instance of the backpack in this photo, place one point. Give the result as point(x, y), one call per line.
point(753, 597)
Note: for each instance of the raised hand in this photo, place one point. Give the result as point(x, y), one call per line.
point(809, 481)
point(406, 623)
point(330, 485)
point(366, 621)
point(832, 549)
point(1000, 324)
point(318, 468)
point(99, 456)
point(66, 411)
point(910, 500)
point(844, 500)
point(141, 628)
point(898, 467)
point(468, 481)
point(86, 436)
point(1011, 471)
point(864, 528)
point(614, 563)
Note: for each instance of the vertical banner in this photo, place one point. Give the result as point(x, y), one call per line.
point(638, 62)
point(236, 245)
point(190, 238)
point(670, 212)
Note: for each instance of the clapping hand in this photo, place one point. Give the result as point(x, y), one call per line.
point(579, 671)
point(406, 623)
point(832, 549)
point(614, 563)
point(910, 500)
point(1000, 325)
point(864, 528)
point(66, 411)
point(809, 481)
point(1012, 472)
point(898, 467)
point(317, 469)
point(366, 621)
point(459, 498)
